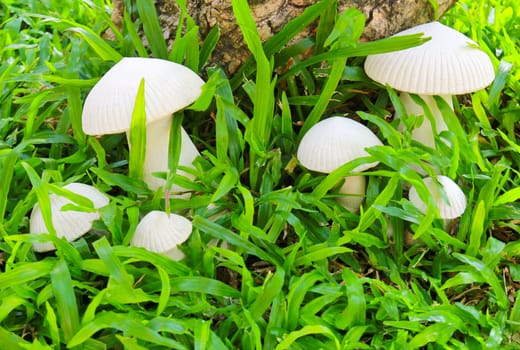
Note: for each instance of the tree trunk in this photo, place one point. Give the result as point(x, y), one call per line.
point(384, 18)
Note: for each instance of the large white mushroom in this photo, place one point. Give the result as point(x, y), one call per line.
point(333, 142)
point(448, 64)
point(169, 87)
point(70, 224)
point(161, 233)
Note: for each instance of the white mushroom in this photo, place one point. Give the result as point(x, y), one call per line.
point(448, 64)
point(161, 233)
point(447, 195)
point(169, 87)
point(333, 142)
point(70, 224)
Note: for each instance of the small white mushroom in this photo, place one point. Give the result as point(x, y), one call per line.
point(450, 200)
point(70, 224)
point(161, 233)
point(448, 64)
point(333, 142)
point(169, 87)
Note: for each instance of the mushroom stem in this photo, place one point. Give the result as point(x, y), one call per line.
point(424, 133)
point(157, 148)
point(353, 193)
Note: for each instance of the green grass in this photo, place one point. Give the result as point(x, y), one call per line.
point(298, 271)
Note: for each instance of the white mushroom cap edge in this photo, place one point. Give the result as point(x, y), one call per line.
point(157, 232)
point(70, 224)
point(451, 206)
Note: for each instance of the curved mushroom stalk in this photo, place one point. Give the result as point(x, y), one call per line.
point(424, 133)
point(157, 149)
point(169, 87)
point(353, 193)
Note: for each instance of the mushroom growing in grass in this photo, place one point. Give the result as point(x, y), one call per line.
point(333, 142)
point(161, 233)
point(447, 196)
point(448, 64)
point(70, 224)
point(169, 87)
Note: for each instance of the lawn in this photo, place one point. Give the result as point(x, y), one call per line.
point(273, 260)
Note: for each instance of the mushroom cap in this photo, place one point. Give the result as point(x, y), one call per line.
point(335, 141)
point(160, 233)
point(70, 224)
point(448, 64)
point(169, 87)
point(450, 207)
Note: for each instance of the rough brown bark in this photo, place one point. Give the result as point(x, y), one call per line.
point(384, 18)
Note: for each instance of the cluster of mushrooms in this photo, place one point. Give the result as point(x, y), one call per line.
point(108, 109)
point(448, 64)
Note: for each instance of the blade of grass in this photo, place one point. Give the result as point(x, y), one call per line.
point(128, 324)
point(271, 288)
point(208, 46)
point(42, 195)
point(105, 51)
point(362, 49)
point(113, 265)
point(131, 28)
point(477, 230)
point(174, 151)
point(346, 32)
point(487, 275)
point(126, 183)
point(152, 28)
point(138, 135)
point(7, 167)
point(259, 129)
point(225, 234)
point(25, 273)
point(307, 330)
point(65, 299)
point(52, 324)
point(165, 291)
point(12, 341)
point(355, 312)
point(203, 285)
point(279, 40)
point(297, 291)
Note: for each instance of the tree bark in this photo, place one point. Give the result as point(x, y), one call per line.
point(384, 18)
